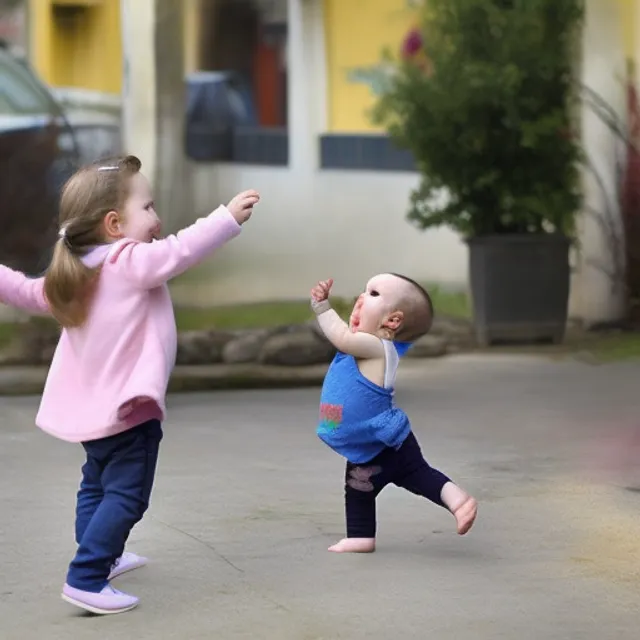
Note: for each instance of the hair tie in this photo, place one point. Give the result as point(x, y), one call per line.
point(107, 168)
point(62, 234)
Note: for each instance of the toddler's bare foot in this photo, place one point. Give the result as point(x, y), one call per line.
point(462, 506)
point(465, 515)
point(354, 545)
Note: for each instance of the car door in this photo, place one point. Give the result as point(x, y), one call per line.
point(37, 154)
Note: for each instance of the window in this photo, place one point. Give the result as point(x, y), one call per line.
point(237, 101)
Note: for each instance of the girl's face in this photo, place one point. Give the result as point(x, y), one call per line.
point(139, 220)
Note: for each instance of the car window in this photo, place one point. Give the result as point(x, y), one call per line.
point(20, 93)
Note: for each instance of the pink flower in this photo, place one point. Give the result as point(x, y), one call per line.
point(412, 43)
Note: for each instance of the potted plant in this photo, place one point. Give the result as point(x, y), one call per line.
point(484, 99)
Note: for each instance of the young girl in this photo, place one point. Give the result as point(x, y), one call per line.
point(106, 285)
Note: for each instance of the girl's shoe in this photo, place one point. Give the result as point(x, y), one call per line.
point(126, 562)
point(108, 601)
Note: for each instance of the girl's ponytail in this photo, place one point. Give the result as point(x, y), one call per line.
point(68, 285)
point(89, 195)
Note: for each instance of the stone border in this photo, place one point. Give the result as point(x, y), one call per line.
point(283, 357)
point(27, 381)
point(301, 345)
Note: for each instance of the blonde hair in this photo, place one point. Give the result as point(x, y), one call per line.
point(87, 197)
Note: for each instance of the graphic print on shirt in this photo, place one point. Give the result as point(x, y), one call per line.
point(330, 416)
point(360, 477)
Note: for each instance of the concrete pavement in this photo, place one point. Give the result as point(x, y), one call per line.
point(247, 501)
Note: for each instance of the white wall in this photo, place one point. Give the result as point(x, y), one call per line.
point(349, 225)
point(345, 225)
point(139, 81)
point(311, 223)
point(595, 296)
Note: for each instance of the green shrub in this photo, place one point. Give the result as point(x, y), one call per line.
point(486, 109)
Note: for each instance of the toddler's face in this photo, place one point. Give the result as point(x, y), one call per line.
point(378, 307)
point(140, 221)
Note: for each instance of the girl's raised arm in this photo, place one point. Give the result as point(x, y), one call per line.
point(149, 265)
point(21, 292)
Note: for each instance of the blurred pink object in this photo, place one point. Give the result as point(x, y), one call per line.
point(614, 455)
point(412, 43)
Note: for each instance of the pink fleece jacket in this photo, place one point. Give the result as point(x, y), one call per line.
point(112, 373)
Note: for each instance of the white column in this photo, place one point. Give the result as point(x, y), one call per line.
point(139, 82)
point(307, 82)
point(595, 296)
point(317, 66)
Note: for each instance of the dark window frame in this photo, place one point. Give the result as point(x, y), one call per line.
point(363, 152)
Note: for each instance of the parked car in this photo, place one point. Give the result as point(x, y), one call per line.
point(38, 152)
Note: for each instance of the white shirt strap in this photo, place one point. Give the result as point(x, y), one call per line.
point(391, 361)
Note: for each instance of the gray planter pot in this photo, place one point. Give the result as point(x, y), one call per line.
point(520, 287)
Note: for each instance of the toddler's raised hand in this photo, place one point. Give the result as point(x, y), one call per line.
point(241, 207)
point(321, 291)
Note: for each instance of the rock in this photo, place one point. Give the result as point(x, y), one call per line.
point(302, 347)
point(29, 380)
point(288, 329)
point(23, 380)
point(46, 353)
point(459, 332)
point(429, 346)
point(246, 347)
point(314, 326)
point(202, 347)
point(240, 376)
point(41, 339)
point(33, 343)
point(452, 327)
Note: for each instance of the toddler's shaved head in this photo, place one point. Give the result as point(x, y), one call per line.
point(417, 307)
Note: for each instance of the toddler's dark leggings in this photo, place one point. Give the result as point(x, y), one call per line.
point(404, 467)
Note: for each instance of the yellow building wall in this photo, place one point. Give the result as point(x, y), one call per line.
point(191, 35)
point(356, 33)
point(77, 43)
point(629, 13)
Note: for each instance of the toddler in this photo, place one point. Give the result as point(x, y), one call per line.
point(358, 418)
point(107, 286)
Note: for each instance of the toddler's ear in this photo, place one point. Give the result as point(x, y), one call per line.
point(394, 321)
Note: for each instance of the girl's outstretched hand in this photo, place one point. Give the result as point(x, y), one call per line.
point(241, 207)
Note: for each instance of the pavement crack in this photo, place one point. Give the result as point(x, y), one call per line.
point(200, 541)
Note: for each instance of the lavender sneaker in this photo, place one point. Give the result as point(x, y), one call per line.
point(108, 601)
point(126, 562)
